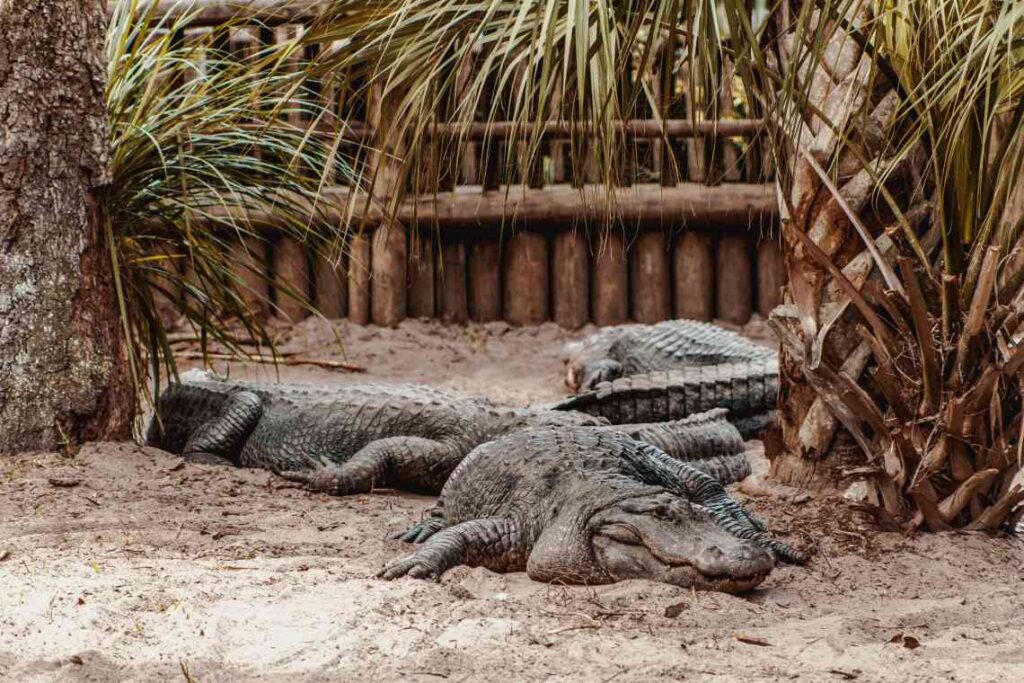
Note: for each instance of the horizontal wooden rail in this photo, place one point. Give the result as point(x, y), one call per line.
point(217, 12)
point(636, 128)
point(555, 206)
point(503, 130)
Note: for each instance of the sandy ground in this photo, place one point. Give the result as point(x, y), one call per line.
point(123, 563)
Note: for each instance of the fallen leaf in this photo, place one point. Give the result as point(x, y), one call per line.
point(848, 675)
point(911, 643)
point(63, 483)
point(75, 659)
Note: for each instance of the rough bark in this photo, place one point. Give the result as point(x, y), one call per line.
point(63, 376)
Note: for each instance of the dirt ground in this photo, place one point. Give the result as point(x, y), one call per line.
point(123, 563)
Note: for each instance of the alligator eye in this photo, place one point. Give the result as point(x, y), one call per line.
point(621, 533)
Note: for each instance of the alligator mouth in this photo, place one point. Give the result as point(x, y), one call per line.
point(729, 584)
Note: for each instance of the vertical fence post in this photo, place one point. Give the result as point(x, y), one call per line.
point(330, 286)
point(484, 280)
point(771, 275)
point(388, 251)
point(610, 291)
point(694, 265)
point(735, 281)
point(649, 260)
point(422, 291)
point(291, 278)
point(359, 278)
point(570, 254)
point(291, 261)
point(249, 263)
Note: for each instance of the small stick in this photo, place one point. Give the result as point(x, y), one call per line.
point(752, 640)
point(289, 360)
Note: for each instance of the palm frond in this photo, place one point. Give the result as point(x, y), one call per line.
point(200, 144)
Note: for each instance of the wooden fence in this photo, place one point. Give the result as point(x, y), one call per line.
point(693, 235)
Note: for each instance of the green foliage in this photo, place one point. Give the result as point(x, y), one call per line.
point(200, 150)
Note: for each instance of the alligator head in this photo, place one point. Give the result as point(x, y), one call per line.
point(657, 536)
point(584, 375)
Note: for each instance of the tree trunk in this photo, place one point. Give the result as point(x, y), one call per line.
point(808, 451)
point(63, 375)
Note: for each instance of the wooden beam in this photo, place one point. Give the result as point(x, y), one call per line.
point(505, 130)
point(216, 12)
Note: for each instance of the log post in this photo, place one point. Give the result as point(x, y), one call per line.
point(330, 286)
point(454, 307)
point(526, 278)
point(484, 281)
point(291, 279)
point(610, 285)
point(693, 258)
point(735, 300)
point(771, 275)
point(389, 251)
point(359, 279)
point(421, 297)
point(651, 277)
point(570, 279)
point(249, 264)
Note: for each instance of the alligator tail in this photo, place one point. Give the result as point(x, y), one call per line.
point(745, 389)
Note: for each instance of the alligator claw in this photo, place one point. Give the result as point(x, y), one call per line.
point(411, 566)
point(420, 531)
point(784, 551)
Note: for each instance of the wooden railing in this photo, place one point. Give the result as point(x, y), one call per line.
point(692, 235)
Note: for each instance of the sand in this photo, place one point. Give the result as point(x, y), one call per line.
point(122, 563)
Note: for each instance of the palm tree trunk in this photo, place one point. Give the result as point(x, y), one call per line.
point(816, 325)
point(63, 374)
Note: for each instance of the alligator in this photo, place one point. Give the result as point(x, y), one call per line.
point(351, 438)
point(587, 506)
point(625, 350)
point(748, 389)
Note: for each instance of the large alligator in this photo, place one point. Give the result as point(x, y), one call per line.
point(589, 506)
point(350, 438)
point(747, 389)
point(625, 350)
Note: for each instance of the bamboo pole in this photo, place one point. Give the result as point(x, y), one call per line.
point(693, 259)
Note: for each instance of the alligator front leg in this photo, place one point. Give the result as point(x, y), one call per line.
point(491, 542)
point(218, 440)
point(407, 462)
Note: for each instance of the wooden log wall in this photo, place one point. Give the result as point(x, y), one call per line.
point(694, 235)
